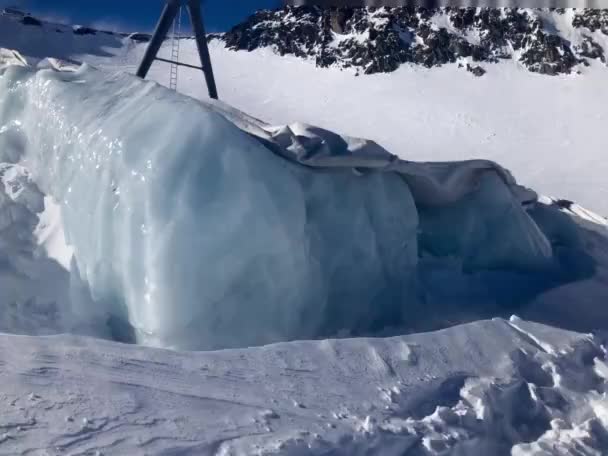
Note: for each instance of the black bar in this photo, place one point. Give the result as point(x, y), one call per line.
point(178, 63)
point(162, 28)
point(196, 18)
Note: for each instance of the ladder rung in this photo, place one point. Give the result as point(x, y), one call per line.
point(178, 63)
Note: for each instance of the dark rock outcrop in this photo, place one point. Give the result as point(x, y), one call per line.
point(592, 19)
point(30, 20)
point(547, 54)
point(591, 50)
point(380, 40)
point(476, 70)
point(80, 30)
point(140, 37)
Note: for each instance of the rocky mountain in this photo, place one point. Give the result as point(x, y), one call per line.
point(373, 40)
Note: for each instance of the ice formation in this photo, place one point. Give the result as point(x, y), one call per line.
point(196, 227)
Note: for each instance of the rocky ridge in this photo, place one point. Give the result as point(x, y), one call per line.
point(380, 40)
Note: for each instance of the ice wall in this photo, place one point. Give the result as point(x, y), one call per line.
point(200, 236)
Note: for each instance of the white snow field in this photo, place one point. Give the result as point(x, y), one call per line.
point(195, 226)
point(549, 131)
point(486, 388)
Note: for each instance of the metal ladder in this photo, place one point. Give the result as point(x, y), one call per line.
point(177, 28)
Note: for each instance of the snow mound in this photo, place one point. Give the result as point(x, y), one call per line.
point(10, 57)
point(485, 388)
point(194, 226)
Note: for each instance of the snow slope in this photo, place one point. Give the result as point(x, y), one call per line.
point(490, 387)
point(548, 130)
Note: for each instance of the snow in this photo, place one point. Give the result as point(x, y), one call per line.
point(551, 142)
point(483, 388)
point(33, 286)
point(487, 387)
point(549, 131)
point(50, 236)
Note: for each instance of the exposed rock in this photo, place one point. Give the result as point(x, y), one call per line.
point(563, 203)
point(80, 30)
point(374, 40)
point(547, 54)
point(592, 19)
point(338, 18)
point(140, 37)
point(590, 49)
point(30, 20)
point(476, 70)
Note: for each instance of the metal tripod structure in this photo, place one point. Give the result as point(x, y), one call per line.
point(170, 14)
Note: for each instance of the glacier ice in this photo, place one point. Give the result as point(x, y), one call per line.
point(202, 232)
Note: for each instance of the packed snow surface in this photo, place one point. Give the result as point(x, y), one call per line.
point(491, 388)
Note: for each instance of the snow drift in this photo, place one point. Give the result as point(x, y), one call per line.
point(491, 388)
point(194, 226)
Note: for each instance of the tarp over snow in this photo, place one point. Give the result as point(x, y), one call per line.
point(432, 183)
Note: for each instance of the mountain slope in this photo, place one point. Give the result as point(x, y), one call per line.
point(380, 40)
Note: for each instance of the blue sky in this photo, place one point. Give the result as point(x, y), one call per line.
point(137, 14)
